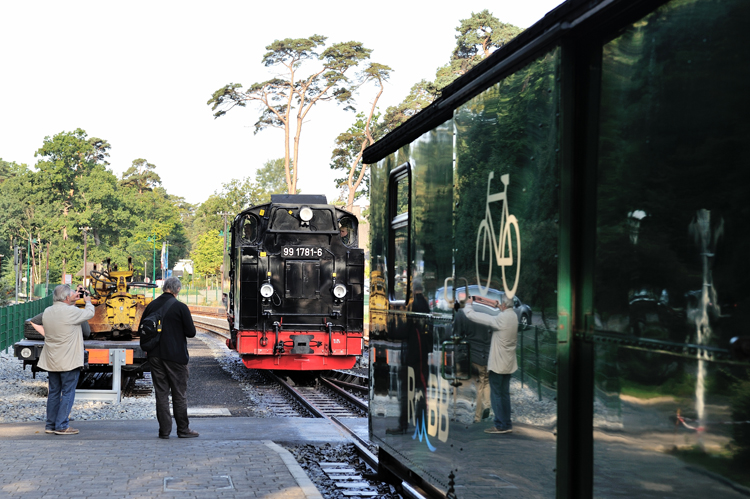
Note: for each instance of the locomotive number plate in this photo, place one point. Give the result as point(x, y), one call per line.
point(301, 252)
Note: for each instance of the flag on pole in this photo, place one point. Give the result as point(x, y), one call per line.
point(164, 255)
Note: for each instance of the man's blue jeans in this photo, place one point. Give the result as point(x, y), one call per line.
point(62, 394)
point(500, 399)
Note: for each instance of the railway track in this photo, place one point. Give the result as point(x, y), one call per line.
point(331, 395)
point(335, 395)
point(211, 325)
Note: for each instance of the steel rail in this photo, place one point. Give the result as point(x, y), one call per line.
point(212, 328)
point(353, 386)
point(361, 404)
point(309, 406)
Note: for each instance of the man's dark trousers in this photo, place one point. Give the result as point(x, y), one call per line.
point(500, 400)
point(168, 376)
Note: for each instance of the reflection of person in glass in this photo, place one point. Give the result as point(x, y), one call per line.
point(478, 336)
point(502, 358)
point(418, 345)
point(418, 302)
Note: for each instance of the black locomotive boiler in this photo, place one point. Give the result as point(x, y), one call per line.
point(297, 275)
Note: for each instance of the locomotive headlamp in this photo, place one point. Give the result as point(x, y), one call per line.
point(339, 291)
point(25, 353)
point(305, 214)
point(266, 291)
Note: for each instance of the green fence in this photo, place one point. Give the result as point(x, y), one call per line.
point(207, 297)
point(537, 360)
point(13, 317)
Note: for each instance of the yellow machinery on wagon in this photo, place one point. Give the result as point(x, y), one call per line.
point(118, 311)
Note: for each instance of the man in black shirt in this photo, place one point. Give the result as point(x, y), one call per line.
point(169, 359)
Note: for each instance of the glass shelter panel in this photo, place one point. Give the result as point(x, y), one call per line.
point(505, 245)
point(409, 414)
point(671, 408)
point(482, 222)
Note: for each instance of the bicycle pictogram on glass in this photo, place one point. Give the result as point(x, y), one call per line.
point(502, 247)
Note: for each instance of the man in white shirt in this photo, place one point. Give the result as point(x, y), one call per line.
point(62, 355)
point(502, 359)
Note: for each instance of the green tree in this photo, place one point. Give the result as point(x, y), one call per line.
point(152, 218)
point(208, 253)
point(8, 169)
point(73, 188)
point(141, 175)
point(421, 95)
point(478, 36)
point(287, 99)
point(61, 191)
point(270, 180)
point(239, 194)
point(351, 144)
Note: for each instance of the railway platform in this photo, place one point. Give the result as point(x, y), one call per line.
point(232, 458)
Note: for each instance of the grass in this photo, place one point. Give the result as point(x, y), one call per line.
point(671, 388)
point(725, 463)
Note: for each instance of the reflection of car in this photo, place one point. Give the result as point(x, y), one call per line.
point(440, 303)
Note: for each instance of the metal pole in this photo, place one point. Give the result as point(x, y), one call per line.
point(166, 262)
point(28, 252)
point(16, 261)
point(522, 365)
point(538, 369)
point(224, 254)
point(85, 239)
point(46, 272)
point(153, 269)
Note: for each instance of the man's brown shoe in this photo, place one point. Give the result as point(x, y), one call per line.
point(188, 434)
point(67, 431)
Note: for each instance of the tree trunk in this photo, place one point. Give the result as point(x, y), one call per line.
point(368, 139)
point(291, 186)
point(296, 154)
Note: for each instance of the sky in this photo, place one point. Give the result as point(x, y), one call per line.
point(139, 73)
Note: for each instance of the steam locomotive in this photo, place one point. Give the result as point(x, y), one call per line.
point(296, 273)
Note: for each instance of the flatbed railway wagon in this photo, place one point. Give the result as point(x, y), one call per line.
point(297, 275)
point(119, 357)
point(594, 167)
point(101, 354)
point(113, 340)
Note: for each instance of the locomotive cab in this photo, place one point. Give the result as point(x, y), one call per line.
point(297, 276)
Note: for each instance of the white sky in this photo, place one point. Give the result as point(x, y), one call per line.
point(139, 73)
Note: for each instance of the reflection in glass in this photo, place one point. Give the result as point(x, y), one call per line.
point(671, 264)
point(402, 195)
point(400, 274)
point(507, 183)
point(433, 419)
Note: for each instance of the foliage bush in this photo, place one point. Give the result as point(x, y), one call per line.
point(740, 413)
